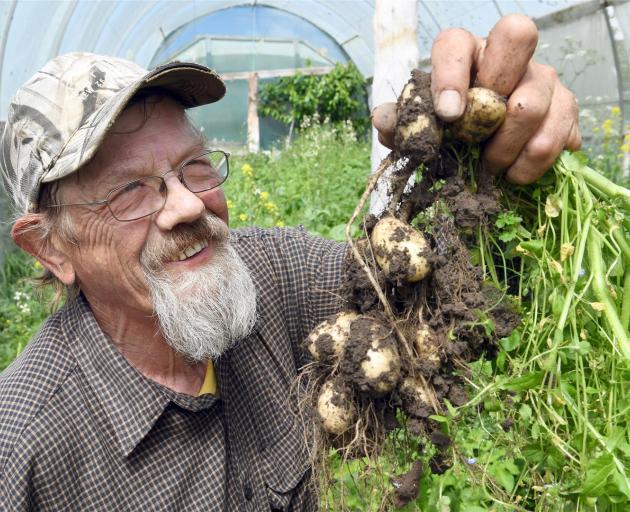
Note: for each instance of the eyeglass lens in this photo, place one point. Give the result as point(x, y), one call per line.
point(145, 196)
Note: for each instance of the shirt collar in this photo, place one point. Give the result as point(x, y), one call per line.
point(131, 402)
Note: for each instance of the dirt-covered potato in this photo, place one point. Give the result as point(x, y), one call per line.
point(371, 359)
point(427, 348)
point(335, 407)
point(326, 342)
point(401, 251)
point(485, 111)
point(417, 129)
point(414, 398)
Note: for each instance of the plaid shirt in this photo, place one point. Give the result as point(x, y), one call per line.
point(81, 429)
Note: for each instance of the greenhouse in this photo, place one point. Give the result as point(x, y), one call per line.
point(422, 301)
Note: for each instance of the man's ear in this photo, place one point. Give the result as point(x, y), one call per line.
point(30, 234)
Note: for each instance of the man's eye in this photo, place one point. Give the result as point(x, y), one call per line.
point(130, 187)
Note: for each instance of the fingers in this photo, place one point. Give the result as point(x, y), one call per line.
point(527, 108)
point(453, 54)
point(558, 130)
point(499, 62)
point(504, 59)
point(384, 120)
point(575, 138)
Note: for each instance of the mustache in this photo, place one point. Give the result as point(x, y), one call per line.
point(158, 251)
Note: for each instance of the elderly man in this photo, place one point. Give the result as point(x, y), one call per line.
point(164, 382)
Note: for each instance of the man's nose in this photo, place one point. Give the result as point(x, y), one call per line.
point(182, 206)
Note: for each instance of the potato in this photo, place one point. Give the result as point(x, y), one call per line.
point(485, 111)
point(414, 398)
point(371, 360)
point(335, 407)
point(418, 131)
point(400, 251)
point(381, 368)
point(326, 342)
point(427, 348)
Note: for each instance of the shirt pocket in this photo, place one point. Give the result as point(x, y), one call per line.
point(286, 469)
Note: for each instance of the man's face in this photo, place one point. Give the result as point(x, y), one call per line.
point(107, 260)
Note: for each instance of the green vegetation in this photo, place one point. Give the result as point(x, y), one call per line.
point(21, 310)
point(548, 423)
point(315, 182)
point(335, 97)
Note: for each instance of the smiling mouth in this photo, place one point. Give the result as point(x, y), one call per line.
point(191, 250)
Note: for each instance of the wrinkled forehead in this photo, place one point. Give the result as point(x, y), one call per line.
point(154, 121)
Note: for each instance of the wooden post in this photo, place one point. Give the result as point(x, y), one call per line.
point(253, 125)
point(396, 53)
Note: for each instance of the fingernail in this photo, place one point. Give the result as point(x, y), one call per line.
point(449, 105)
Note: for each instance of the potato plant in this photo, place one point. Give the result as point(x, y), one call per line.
point(456, 268)
point(414, 304)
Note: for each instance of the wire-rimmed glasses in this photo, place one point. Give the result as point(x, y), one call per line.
point(144, 196)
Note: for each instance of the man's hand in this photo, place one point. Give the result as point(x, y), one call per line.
point(542, 114)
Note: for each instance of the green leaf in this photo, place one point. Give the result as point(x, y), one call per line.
point(621, 483)
point(534, 247)
point(508, 235)
point(597, 475)
point(527, 381)
point(511, 342)
point(503, 477)
point(525, 412)
point(451, 410)
point(439, 419)
point(615, 438)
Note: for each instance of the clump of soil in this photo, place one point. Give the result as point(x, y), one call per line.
point(407, 485)
point(461, 316)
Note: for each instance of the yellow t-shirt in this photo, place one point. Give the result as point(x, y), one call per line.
point(209, 382)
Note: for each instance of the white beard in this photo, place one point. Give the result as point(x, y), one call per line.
point(204, 312)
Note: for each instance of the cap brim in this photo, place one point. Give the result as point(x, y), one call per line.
point(192, 84)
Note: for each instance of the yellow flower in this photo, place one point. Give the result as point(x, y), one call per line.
point(280, 223)
point(230, 204)
point(242, 217)
point(271, 207)
point(247, 169)
point(264, 196)
point(625, 148)
point(615, 111)
point(37, 265)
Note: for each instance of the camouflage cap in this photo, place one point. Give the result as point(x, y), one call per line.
point(57, 119)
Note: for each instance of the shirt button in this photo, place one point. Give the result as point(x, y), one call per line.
point(248, 492)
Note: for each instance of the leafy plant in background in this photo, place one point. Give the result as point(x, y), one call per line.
point(609, 148)
point(21, 310)
point(337, 97)
point(314, 182)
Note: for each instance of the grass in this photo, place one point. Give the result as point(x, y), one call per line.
point(21, 311)
point(316, 182)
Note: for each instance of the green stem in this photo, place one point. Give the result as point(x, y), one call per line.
point(594, 245)
point(579, 256)
point(603, 185)
point(625, 303)
point(617, 234)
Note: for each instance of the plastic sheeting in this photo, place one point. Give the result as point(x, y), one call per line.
point(33, 31)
